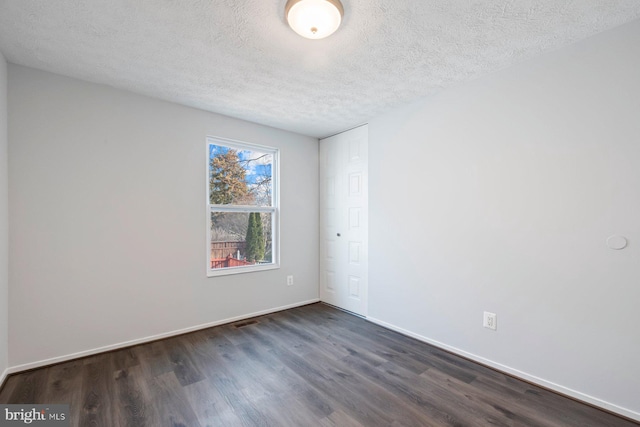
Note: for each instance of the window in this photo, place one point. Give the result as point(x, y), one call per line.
point(242, 207)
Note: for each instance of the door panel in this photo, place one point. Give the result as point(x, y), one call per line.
point(344, 220)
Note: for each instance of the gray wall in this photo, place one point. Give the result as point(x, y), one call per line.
point(499, 195)
point(4, 220)
point(107, 239)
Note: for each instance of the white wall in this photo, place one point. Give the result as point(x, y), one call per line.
point(107, 239)
point(4, 221)
point(499, 195)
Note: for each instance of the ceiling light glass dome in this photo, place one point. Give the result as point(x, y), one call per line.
point(314, 19)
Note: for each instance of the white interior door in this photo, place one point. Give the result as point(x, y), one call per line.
point(344, 220)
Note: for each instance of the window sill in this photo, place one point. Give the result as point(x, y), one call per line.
point(240, 270)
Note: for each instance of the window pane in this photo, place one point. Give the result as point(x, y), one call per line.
point(240, 176)
point(240, 239)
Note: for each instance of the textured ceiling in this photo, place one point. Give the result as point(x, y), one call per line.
point(239, 57)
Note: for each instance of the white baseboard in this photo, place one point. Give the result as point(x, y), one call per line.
point(515, 372)
point(3, 377)
point(85, 353)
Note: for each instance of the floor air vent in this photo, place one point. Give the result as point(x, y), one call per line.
point(243, 324)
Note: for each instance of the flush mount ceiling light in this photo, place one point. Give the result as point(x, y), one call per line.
point(314, 19)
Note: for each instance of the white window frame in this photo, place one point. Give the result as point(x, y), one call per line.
point(274, 209)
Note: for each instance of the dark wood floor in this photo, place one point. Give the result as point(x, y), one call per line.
point(309, 366)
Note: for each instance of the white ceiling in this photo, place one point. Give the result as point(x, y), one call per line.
point(239, 57)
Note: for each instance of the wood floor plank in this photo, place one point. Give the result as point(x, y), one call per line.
point(125, 358)
point(132, 406)
point(283, 380)
point(64, 386)
point(98, 392)
point(64, 382)
point(343, 343)
point(339, 419)
point(308, 366)
point(183, 366)
point(484, 409)
point(244, 409)
point(211, 407)
point(153, 358)
point(356, 406)
point(393, 406)
point(9, 385)
point(170, 402)
point(31, 388)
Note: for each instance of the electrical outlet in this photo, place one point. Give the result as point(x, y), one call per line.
point(490, 320)
point(289, 280)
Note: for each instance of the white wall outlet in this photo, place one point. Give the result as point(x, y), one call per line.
point(490, 320)
point(289, 280)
